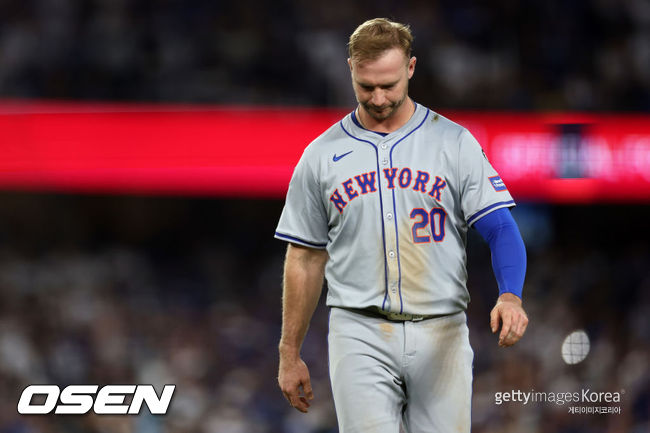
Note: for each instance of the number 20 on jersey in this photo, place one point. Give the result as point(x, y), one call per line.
point(435, 218)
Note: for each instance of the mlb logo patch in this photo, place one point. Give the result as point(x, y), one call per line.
point(497, 183)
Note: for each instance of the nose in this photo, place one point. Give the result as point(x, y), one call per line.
point(378, 98)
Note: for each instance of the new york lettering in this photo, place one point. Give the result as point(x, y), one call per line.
point(404, 178)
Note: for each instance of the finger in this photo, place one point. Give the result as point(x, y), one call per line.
point(306, 387)
point(300, 404)
point(295, 399)
point(494, 320)
point(524, 325)
point(291, 394)
point(289, 398)
point(515, 324)
point(506, 319)
point(511, 339)
point(518, 327)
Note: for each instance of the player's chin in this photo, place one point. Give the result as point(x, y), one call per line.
point(381, 113)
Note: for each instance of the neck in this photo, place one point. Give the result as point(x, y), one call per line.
point(390, 124)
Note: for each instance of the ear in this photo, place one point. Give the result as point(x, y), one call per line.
point(350, 63)
point(411, 66)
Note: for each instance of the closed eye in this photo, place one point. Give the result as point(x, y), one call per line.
point(369, 88)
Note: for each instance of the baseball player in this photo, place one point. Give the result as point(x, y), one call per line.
point(380, 205)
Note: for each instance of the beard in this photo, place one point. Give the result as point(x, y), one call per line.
point(382, 112)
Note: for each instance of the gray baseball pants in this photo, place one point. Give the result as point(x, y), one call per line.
point(383, 373)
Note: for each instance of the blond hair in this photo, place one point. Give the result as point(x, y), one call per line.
point(377, 35)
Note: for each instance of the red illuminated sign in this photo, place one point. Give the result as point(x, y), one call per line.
point(568, 157)
point(235, 151)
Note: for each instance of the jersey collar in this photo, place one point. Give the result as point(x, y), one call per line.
point(353, 125)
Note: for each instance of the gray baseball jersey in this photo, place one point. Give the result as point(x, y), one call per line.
point(393, 211)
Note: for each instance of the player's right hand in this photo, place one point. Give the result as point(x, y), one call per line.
point(295, 383)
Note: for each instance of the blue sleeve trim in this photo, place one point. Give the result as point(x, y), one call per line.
point(482, 212)
point(500, 231)
point(288, 238)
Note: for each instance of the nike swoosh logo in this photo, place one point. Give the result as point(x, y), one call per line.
point(336, 158)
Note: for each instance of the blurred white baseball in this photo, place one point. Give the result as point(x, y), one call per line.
point(575, 347)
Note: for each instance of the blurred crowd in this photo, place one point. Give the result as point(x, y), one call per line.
point(116, 290)
point(110, 290)
point(533, 55)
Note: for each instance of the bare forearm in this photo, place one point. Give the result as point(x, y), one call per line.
point(303, 282)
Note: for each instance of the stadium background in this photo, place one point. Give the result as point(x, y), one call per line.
point(125, 286)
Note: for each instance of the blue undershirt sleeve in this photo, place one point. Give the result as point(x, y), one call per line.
point(500, 231)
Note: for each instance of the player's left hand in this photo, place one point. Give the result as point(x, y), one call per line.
point(514, 320)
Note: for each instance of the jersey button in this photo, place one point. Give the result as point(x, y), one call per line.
point(384, 161)
point(391, 254)
point(384, 146)
point(389, 216)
